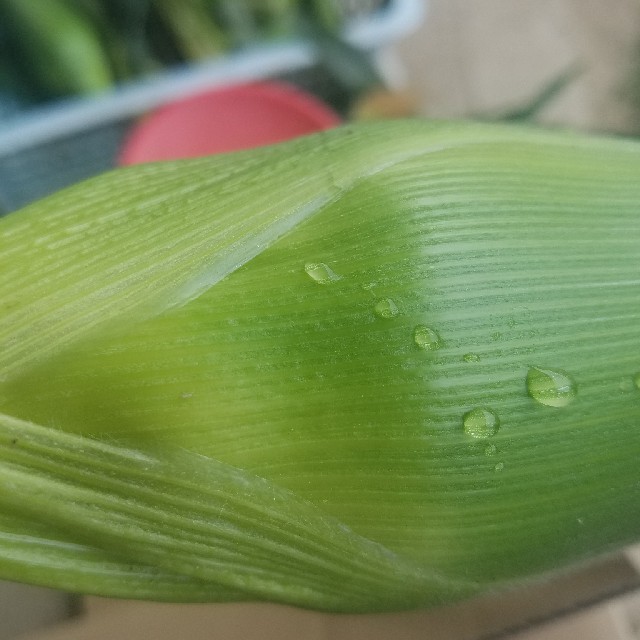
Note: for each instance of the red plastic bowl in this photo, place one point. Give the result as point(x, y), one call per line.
point(228, 119)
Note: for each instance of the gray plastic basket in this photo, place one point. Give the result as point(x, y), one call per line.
point(55, 146)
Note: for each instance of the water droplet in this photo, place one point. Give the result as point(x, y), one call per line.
point(499, 466)
point(551, 388)
point(426, 338)
point(321, 273)
point(186, 396)
point(626, 386)
point(471, 357)
point(490, 450)
point(480, 423)
point(636, 380)
point(386, 308)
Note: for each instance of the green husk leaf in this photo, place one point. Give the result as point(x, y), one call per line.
point(377, 368)
point(232, 534)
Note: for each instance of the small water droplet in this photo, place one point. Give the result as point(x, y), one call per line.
point(551, 388)
point(499, 466)
point(426, 338)
point(626, 386)
point(186, 396)
point(386, 308)
point(471, 357)
point(636, 380)
point(490, 450)
point(321, 273)
point(480, 423)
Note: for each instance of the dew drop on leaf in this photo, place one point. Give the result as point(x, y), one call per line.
point(386, 308)
point(550, 387)
point(321, 273)
point(426, 338)
point(480, 423)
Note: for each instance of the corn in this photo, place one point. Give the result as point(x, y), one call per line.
point(378, 368)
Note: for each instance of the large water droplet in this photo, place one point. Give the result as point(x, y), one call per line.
point(480, 423)
point(386, 308)
point(426, 338)
point(321, 273)
point(550, 387)
point(471, 357)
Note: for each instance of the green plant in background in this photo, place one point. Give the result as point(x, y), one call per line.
point(54, 48)
point(382, 367)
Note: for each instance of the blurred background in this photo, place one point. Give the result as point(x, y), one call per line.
point(86, 85)
point(77, 76)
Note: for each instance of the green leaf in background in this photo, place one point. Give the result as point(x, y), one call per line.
point(57, 48)
point(196, 33)
point(378, 368)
